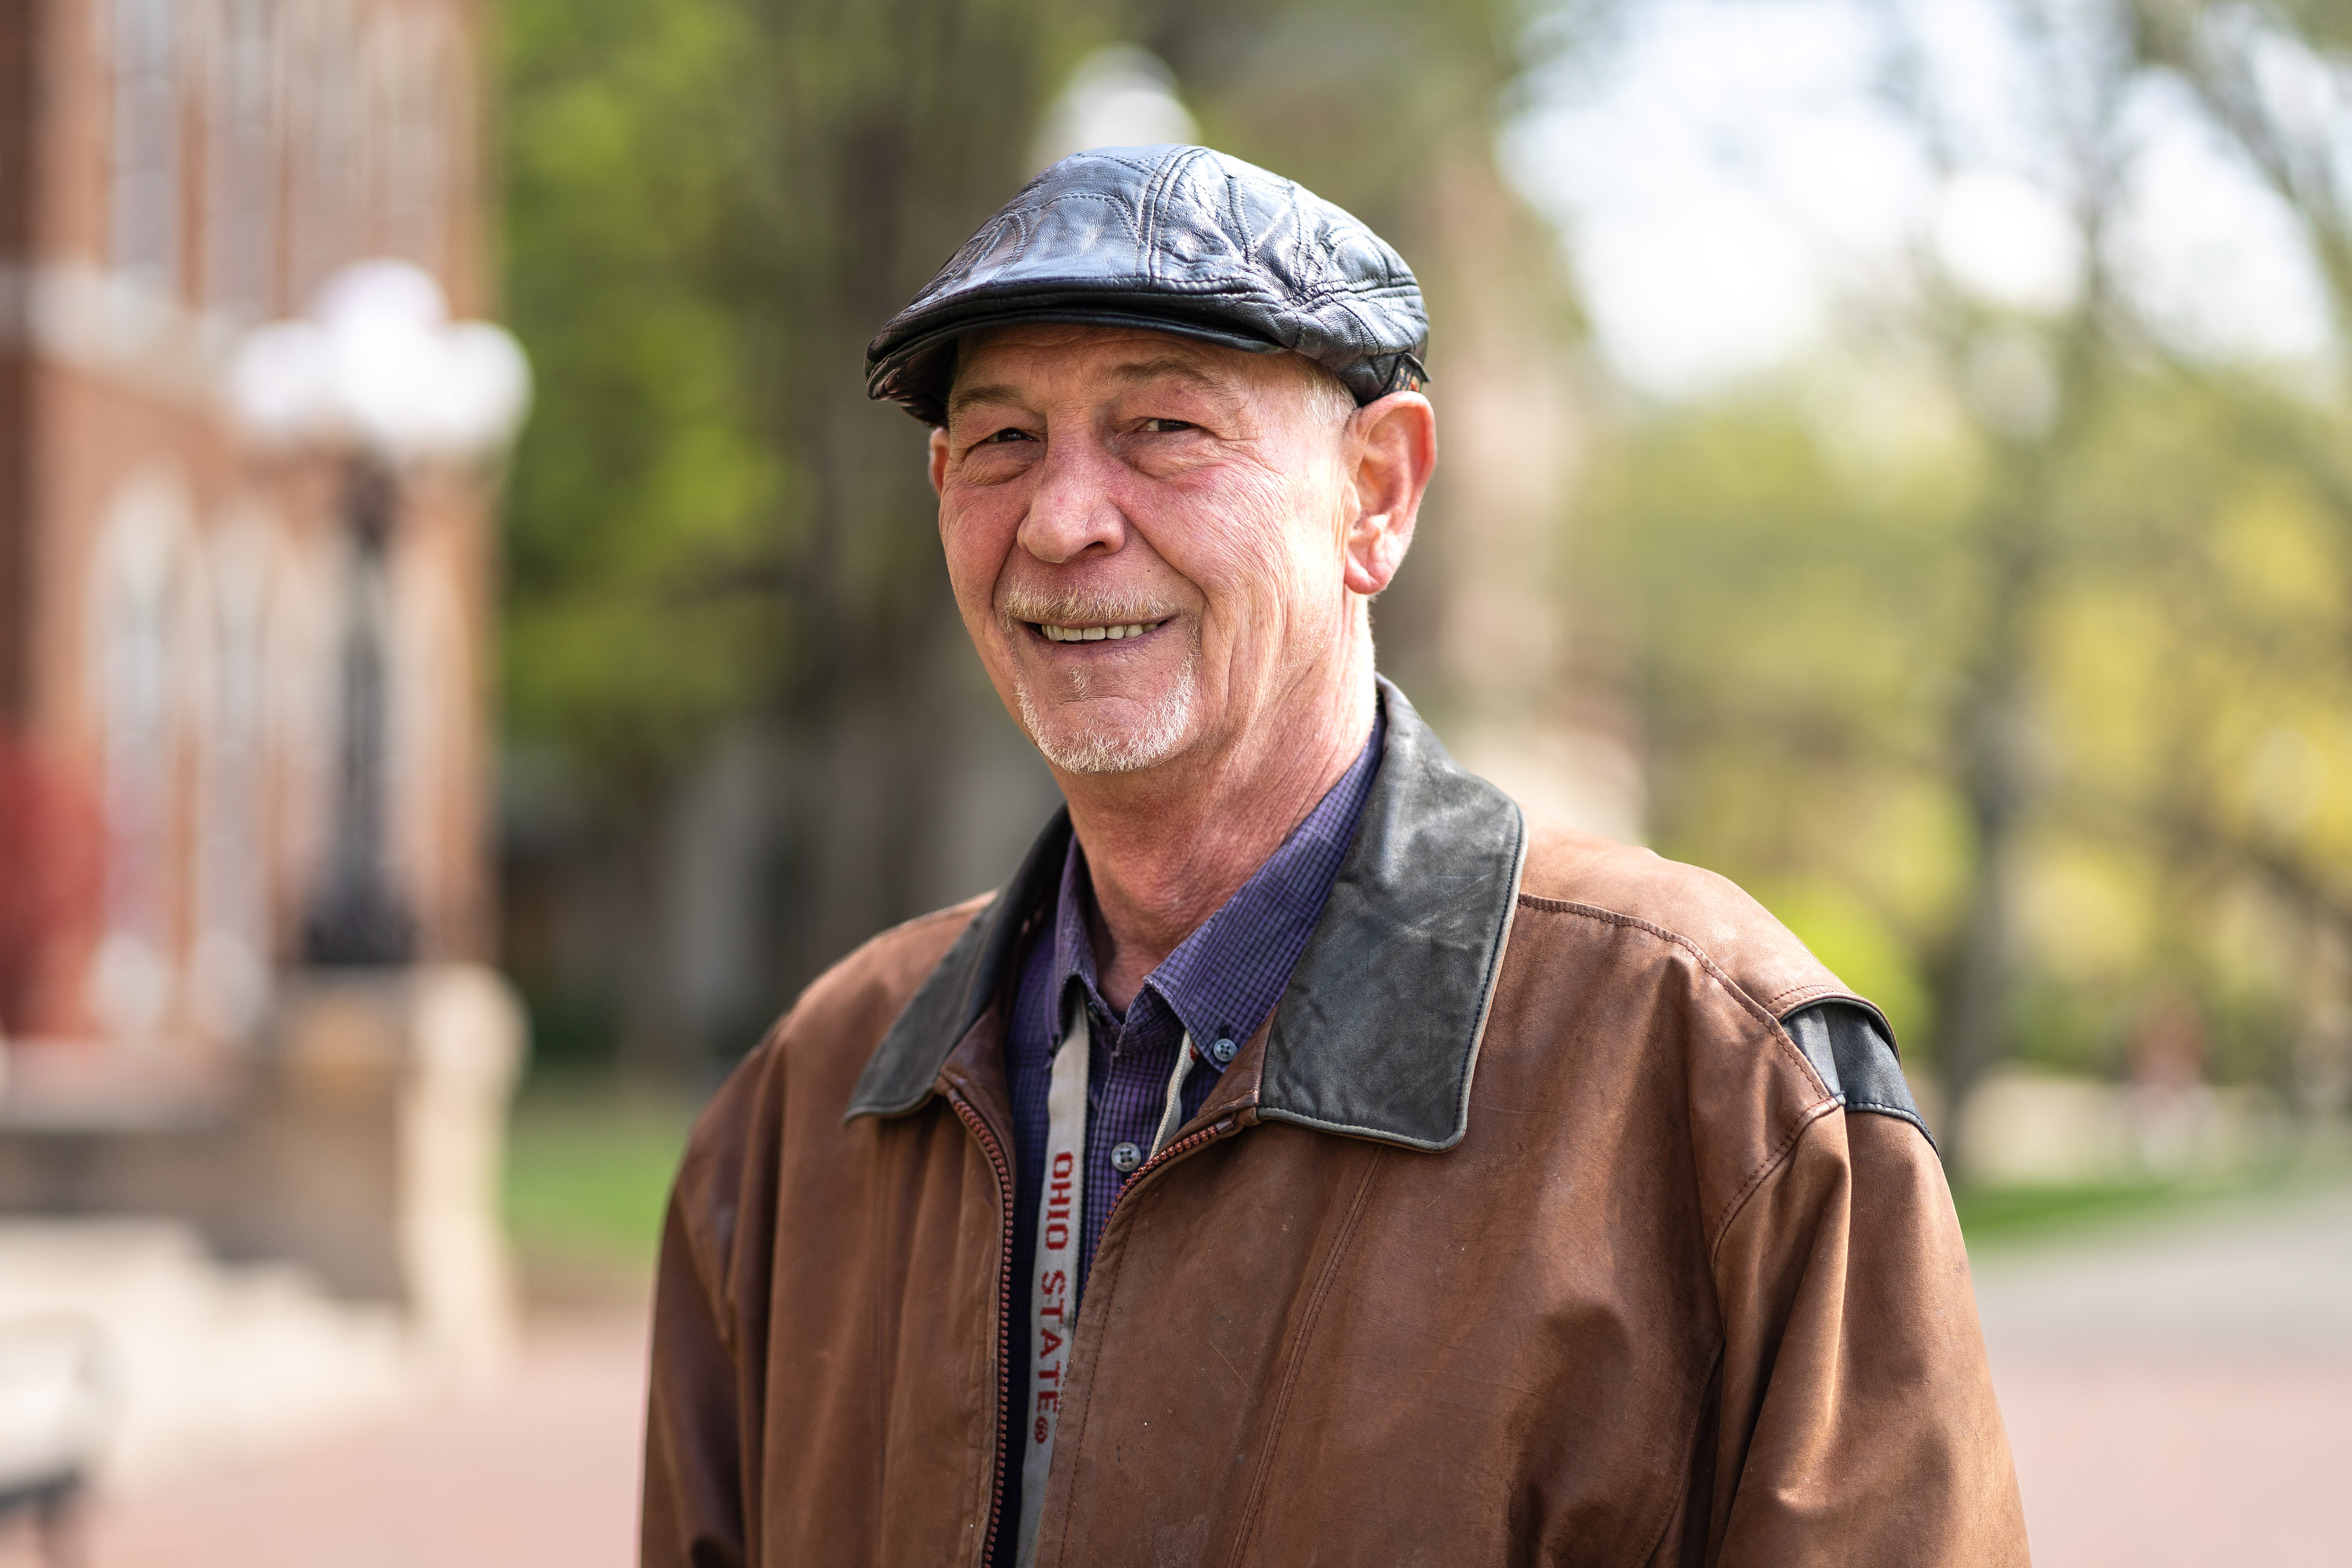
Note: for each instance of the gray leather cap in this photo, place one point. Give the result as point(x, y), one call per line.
point(1174, 239)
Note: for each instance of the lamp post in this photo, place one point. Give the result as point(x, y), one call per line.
point(378, 374)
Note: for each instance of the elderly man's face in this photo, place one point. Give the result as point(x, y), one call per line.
point(1147, 536)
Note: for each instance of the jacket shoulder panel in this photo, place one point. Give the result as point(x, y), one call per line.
point(1735, 935)
point(1856, 1059)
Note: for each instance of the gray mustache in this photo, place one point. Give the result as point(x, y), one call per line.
point(1066, 609)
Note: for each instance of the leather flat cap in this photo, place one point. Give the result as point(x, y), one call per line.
point(1173, 240)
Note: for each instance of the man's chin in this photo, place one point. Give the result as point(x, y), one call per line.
point(1077, 743)
point(1103, 753)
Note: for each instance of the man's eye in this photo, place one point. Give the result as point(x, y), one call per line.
point(1011, 433)
point(1167, 427)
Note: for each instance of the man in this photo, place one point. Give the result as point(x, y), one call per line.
point(1303, 1158)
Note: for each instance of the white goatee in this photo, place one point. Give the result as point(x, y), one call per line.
point(1107, 749)
point(1069, 741)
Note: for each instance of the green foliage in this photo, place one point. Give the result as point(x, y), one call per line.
point(1796, 634)
point(646, 496)
point(2186, 663)
point(1898, 666)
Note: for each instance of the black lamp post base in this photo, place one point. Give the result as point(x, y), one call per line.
point(359, 925)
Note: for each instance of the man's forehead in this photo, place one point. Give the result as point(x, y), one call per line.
point(1029, 359)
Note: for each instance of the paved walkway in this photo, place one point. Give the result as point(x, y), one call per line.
point(2176, 1393)
point(541, 1474)
point(2181, 1391)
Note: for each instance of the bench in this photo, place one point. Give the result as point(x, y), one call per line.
point(55, 1409)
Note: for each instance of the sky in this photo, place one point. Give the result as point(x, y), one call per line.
point(1732, 178)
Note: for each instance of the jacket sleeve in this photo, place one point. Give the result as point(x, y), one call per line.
point(1858, 1424)
point(695, 1423)
point(693, 1503)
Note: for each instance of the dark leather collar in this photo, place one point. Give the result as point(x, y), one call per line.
point(905, 1068)
point(1377, 1034)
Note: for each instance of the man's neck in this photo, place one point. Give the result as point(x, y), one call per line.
point(1165, 852)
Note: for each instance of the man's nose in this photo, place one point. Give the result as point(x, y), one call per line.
point(1072, 513)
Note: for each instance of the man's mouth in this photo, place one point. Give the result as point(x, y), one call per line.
point(1053, 632)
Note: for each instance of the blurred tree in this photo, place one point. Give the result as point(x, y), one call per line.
point(2008, 651)
point(2271, 74)
point(645, 494)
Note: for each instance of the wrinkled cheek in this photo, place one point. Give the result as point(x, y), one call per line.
point(976, 549)
point(1274, 622)
point(1314, 605)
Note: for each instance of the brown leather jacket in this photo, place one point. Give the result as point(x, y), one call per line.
point(1523, 1233)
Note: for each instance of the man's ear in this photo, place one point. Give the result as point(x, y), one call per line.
point(938, 457)
point(1393, 442)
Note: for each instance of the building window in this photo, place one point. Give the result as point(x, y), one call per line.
point(146, 149)
point(140, 654)
point(229, 969)
point(408, 134)
point(241, 200)
point(327, 177)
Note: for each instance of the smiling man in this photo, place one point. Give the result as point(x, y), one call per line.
point(1304, 1157)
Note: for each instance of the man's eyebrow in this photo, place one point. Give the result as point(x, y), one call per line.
point(1170, 365)
point(1133, 374)
point(964, 397)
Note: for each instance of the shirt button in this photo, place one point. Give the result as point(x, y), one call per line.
point(1126, 1157)
point(1223, 1052)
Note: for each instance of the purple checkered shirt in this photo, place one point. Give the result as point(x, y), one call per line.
point(1221, 983)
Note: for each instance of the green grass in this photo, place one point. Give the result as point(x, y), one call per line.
point(588, 1174)
point(1999, 1213)
point(1995, 1215)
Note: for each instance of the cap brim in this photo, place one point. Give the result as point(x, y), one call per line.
point(915, 373)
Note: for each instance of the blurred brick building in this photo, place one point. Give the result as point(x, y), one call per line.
point(185, 618)
point(172, 172)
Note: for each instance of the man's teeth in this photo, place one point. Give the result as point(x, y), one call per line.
point(1098, 634)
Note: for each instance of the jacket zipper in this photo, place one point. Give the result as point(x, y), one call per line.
point(1004, 1282)
point(1180, 1147)
point(996, 1154)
